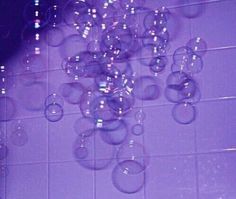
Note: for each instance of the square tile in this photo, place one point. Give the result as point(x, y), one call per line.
point(70, 180)
point(216, 20)
point(217, 178)
point(215, 126)
point(27, 181)
point(163, 135)
point(172, 178)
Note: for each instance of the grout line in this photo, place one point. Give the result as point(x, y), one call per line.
point(223, 151)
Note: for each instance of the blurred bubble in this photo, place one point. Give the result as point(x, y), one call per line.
point(19, 137)
point(137, 129)
point(3, 151)
point(140, 116)
point(198, 45)
point(84, 126)
point(133, 150)
point(32, 96)
point(92, 153)
point(53, 112)
point(146, 88)
point(127, 178)
point(184, 113)
point(4, 171)
point(114, 132)
point(71, 92)
point(54, 99)
point(54, 36)
point(7, 109)
point(191, 9)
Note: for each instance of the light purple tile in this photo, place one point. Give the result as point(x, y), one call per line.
point(217, 78)
point(221, 30)
point(215, 126)
point(217, 178)
point(35, 149)
point(70, 180)
point(172, 178)
point(163, 135)
point(62, 138)
point(27, 181)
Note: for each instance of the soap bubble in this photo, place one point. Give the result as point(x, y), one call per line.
point(7, 109)
point(54, 36)
point(198, 45)
point(127, 176)
point(184, 113)
point(3, 151)
point(84, 126)
point(146, 88)
point(133, 150)
point(19, 137)
point(137, 129)
point(53, 112)
point(54, 99)
point(71, 92)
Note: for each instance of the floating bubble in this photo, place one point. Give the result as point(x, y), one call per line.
point(53, 112)
point(54, 36)
point(92, 153)
point(146, 88)
point(127, 177)
point(132, 150)
point(114, 132)
point(158, 64)
point(84, 126)
point(3, 151)
point(184, 113)
point(140, 116)
point(198, 45)
point(32, 96)
point(137, 129)
point(7, 109)
point(19, 137)
point(72, 92)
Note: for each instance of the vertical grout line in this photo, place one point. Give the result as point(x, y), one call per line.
point(195, 132)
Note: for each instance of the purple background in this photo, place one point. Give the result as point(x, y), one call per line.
point(195, 161)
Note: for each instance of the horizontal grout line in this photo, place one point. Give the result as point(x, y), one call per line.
point(223, 151)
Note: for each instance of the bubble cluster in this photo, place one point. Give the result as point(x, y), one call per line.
point(181, 86)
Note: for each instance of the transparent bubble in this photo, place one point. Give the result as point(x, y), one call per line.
point(137, 129)
point(4, 171)
point(71, 92)
point(193, 10)
point(53, 112)
point(133, 150)
point(33, 96)
point(158, 64)
point(34, 63)
point(7, 109)
point(184, 113)
point(3, 151)
point(155, 19)
point(198, 45)
point(127, 178)
point(92, 153)
point(84, 126)
point(121, 102)
point(19, 137)
point(114, 132)
point(30, 10)
point(146, 88)
point(195, 64)
point(54, 36)
point(54, 99)
point(86, 99)
point(140, 116)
